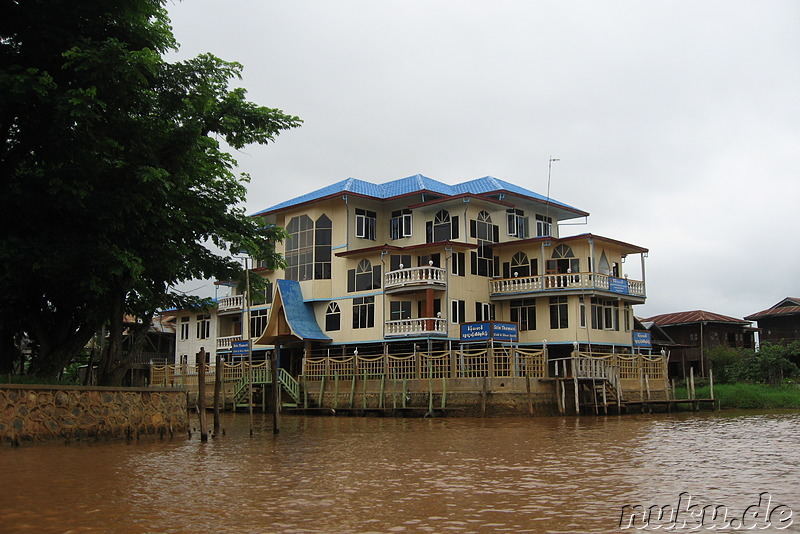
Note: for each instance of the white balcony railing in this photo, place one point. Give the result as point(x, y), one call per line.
point(418, 326)
point(415, 276)
point(547, 282)
point(227, 341)
point(232, 303)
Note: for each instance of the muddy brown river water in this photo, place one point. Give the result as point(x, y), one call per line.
point(343, 474)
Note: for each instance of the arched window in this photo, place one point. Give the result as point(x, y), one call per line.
point(482, 229)
point(333, 317)
point(563, 261)
point(602, 266)
point(300, 248)
point(322, 248)
point(442, 228)
point(520, 266)
point(364, 277)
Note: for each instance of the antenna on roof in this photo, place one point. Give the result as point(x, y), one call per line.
point(547, 208)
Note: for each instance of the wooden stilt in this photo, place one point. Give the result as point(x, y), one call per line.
point(217, 391)
point(201, 393)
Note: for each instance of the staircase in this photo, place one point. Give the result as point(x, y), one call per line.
point(262, 377)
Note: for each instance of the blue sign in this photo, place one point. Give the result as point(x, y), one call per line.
point(642, 339)
point(240, 348)
point(618, 285)
point(475, 332)
point(489, 331)
point(505, 332)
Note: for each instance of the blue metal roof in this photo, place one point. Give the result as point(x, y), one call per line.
point(299, 314)
point(413, 184)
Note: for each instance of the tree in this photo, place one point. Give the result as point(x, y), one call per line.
point(115, 178)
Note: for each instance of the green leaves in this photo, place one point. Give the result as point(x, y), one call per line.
point(111, 157)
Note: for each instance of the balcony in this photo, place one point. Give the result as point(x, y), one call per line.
point(414, 278)
point(226, 343)
point(421, 326)
point(575, 282)
point(230, 304)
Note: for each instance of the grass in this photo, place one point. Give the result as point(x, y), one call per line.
point(749, 396)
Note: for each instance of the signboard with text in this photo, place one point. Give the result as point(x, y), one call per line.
point(240, 348)
point(642, 339)
point(489, 331)
point(618, 285)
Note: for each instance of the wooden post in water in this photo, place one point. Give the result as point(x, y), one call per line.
point(647, 385)
point(528, 391)
point(711, 385)
point(483, 396)
point(201, 393)
point(276, 389)
point(217, 391)
point(691, 382)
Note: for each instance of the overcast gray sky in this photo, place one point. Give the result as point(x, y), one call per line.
point(677, 123)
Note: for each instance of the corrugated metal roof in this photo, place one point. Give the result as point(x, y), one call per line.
point(788, 306)
point(694, 316)
point(413, 184)
point(299, 314)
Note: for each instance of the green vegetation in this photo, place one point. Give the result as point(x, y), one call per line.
point(117, 180)
point(771, 364)
point(749, 396)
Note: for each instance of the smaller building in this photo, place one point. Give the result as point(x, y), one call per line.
point(779, 324)
point(695, 332)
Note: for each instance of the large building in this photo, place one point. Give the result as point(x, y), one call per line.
point(380, 273)
point(410, 260)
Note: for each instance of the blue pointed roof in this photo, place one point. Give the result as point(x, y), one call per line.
point(299, 314)
point(413, 184)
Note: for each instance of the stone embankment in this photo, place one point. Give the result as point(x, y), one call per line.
point(39, 413)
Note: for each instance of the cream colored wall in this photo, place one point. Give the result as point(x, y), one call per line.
point(469, 288)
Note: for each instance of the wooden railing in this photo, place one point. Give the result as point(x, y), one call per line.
point(548, 282)
point(503, 361)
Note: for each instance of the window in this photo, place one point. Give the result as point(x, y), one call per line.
point(366, 221)
point(523, 312)
point(582, 312)
point(203, 326)
point(459, 264)
point(422, 310)
point(364, 312)
point(458, 311)
point(483, 262)
point(400, 224)
point(544, 225)
point(364, 277)
point(442, 228)
point(184, 328)
point(517, 223)
point(563, 261)
point(258, 322)
point(484, 311)
point(558, 313)
point(332, 317)
point(603, 266)
point(322, 248)
point(300, 249)
point(605, 314)
point(262, 295)
point(400, 309)
point(399, 261)
point(424, 261)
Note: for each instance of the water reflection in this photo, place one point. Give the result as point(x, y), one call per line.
point(326, 474)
